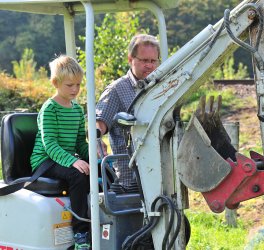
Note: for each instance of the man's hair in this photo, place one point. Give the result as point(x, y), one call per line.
point(64, 66)
point(143, 39)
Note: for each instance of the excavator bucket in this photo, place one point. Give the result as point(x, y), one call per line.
point(204, 148)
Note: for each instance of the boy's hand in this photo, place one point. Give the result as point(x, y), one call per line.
point(82, 166)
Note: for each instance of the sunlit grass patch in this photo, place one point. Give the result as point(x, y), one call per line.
point(228, 101)
point(210, 232)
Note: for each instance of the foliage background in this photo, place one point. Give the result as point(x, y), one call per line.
point(45, 34)
point(30, 47)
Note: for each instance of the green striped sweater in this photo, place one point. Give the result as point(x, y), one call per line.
point(61, 134)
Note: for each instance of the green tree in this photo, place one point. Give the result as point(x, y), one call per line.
point(228, 71)
point(191, 16)
point(110, 48)
point(22, 30)
point(25, 69)
point(45, 33)
point(30, 83)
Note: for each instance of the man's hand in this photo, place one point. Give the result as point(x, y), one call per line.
point(101, 126)
point(101, 148)
point(82, 166)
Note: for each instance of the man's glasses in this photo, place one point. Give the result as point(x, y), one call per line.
point(147, 61)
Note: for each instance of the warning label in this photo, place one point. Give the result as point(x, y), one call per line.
point(106, 232)
point(66, 215)
point(63, 233)
point(8, 248)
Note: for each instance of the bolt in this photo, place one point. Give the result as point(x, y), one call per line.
point(101, 200)
point(168, 124)
point(255, 188)
point(216, 206)
point(251, 14)
point(247, 167)
point(141, 84)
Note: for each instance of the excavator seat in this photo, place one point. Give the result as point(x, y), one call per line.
point(18, 131)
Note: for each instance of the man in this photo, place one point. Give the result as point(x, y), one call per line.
point(143, 58)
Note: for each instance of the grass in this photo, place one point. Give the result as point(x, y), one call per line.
point(228, 101)
point(210, 232)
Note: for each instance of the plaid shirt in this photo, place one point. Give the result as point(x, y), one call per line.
point(116, 98)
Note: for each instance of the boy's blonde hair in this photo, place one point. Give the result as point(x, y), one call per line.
point(64, 66)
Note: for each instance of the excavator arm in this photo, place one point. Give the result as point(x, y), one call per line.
point(162, 157)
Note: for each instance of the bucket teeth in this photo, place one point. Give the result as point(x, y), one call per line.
point(209, 109)
point(208, 114)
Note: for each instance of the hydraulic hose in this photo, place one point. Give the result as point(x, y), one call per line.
point(136, 239)
point(246, 46)
point(172, 209)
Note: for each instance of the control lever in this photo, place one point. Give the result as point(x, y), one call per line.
point(99, 143)
point(110, 176)
point(125, 119)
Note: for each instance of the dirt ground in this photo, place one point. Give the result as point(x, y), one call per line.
point(246, 115)
point(249, 211)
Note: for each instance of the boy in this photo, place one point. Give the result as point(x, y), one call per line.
point(61, 140)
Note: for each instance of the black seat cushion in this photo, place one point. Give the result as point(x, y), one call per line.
point(18, 132)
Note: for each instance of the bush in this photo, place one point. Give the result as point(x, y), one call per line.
point(28, 90)
point(22, 94)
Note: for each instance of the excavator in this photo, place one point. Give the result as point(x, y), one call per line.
point(167, 156)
